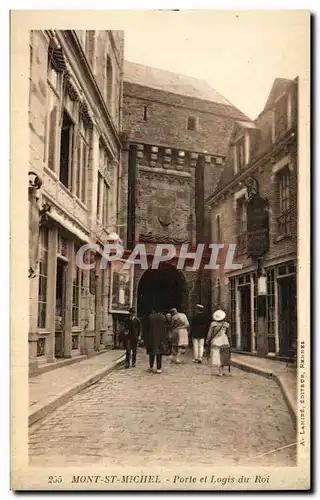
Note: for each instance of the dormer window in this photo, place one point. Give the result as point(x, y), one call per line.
point(281, 116)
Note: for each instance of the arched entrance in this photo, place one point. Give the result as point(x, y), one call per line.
point(161, 289)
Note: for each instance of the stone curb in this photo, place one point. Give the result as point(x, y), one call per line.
point(69, 393)
point(279, 379)
point(291, 404)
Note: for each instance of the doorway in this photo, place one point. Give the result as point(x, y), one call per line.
point(245, 318)
point(60, 308)
point(160, 289)
point(287, 315)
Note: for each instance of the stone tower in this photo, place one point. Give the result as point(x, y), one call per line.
point(175, 133)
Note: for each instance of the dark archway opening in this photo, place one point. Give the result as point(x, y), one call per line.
point(160, 289)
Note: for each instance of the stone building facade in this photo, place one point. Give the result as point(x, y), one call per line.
point(75, 117)
point(264, 150)
point(176, 131)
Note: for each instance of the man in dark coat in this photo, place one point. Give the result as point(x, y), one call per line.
point(132, 329)
point(199, 329)
point(155, 339)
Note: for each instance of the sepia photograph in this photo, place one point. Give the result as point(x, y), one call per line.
point(162, 333)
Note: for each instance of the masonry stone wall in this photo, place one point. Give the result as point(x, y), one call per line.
point(167, 117)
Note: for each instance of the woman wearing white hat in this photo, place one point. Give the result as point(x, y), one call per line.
point(218, 341)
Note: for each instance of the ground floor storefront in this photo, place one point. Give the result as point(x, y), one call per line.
point(69, 306)
point(281, 319)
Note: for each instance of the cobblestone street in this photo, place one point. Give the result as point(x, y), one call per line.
point(182, 416)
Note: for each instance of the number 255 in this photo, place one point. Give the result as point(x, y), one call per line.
point(54, 479)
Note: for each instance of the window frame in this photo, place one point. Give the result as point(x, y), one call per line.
point(284, 219)
point(104, 185)
point(72, 151)
point(82, 160)
point(195, 123)
point(54, 90)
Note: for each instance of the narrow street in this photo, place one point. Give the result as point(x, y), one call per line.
point(182, 416)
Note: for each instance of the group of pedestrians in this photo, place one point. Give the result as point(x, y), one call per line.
point(168, 334)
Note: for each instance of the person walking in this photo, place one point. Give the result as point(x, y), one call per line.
point(180, 338)
point(218, 342)
point(199, 329)
point(155, 339)
point(132, 330)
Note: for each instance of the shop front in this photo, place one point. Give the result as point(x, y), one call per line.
point(281, 310)
point(62, 296)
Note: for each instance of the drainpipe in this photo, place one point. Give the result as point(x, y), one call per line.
point(119, 172)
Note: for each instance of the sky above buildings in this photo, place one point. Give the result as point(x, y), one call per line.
point(238, 53)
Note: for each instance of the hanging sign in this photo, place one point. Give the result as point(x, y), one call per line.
point(257, 221)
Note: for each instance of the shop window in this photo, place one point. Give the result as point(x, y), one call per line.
point(284, 217)
point(43, 277)
point(218, 292)
point(281, 121)
point(99, 196)
point(255, 315)
point(192, 123)
point(104, 296)
point(66, 150)
point(286, 269)
point(271, 315)
point(233, 323)
point(76, 288)
point(241, 238)
point(291, 268)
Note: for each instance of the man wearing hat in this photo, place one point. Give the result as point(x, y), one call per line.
point(199, 328)
point(218, 340)
point(132, 330)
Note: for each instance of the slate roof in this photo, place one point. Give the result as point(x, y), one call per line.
point(175, 83)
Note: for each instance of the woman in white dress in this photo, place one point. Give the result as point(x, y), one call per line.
point(218, 342)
